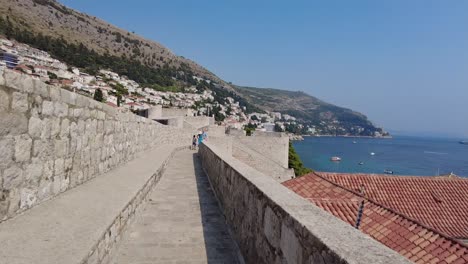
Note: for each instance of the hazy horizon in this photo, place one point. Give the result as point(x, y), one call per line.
point(403, 64)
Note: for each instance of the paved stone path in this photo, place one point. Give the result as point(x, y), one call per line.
point(181, 223)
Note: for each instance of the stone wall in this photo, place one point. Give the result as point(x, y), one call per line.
point(274, 148)
point(173, 112)
point(271, 224)
point(52, 140)
point(260, 162)
point(216, 131)
point(198, 121)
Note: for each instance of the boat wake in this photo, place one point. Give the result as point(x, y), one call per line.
point(436, 153)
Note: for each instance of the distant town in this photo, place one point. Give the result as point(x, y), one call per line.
point(121, 92)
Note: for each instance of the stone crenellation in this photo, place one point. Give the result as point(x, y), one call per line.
point(52, 140)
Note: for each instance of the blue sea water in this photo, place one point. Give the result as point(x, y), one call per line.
point(403, 155)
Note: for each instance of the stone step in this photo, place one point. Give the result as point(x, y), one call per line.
point(83, 224)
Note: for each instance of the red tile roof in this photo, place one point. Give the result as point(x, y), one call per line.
point(438, 202)
point(410, 238)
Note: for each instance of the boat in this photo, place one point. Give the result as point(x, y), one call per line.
point(354, 142)
point(372, 153)
point(388, 171)
point(361, 163)
point(335, 159)
point(464, 142)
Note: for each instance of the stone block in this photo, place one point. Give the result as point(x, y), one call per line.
point(36, 127)
point(47, 108)
point(101, 115)
point(41, 88)
point(47, 127)
point(54, 127)
point(44, 190)
point(12, 124)
point(23, 146)
point(7, 148)
point(77, 112)
point(61, 147)
point(271, 227)
point(67, 97)
point(59, 167)
point(2, 78)
point(48, 170)
point(56, 185)
point(19, 102)
point(12, 177)
point(82, 101)
point(290, 246)
point(18, 81)
point(64, 183)
point(65, 128)
point(33, 172)
point(54, 92)
point(43, 149)
point(4, 101)
point(28, 198)
point(14, 197)
point(36, 106)
point(73, 130)
point(4, 202)
point(61, 109)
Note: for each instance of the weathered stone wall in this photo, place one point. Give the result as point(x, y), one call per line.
point(52, 140)
point(216, 131)
point(222, 143)
point(271, 224)
point(198, 121)
point(173, 112)
point(274, 148)
point(260, 162)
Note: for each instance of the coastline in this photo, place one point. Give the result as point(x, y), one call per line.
point(348, 136)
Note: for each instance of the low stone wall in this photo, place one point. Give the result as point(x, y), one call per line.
point(271, 224)
point(175, 112)
point(261, 162)
point(275, 148)
point(216, 131)
point(103, 249)
point(52, 140)
point(198, 121)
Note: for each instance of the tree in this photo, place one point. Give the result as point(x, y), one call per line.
point(295, 162)
point(119, 99)
point(98, 96)
point(52, 75)
point(249, 128)
point(278, 128)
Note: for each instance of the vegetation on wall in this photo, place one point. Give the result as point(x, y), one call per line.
point(295, 162)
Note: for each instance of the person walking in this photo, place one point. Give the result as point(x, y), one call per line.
point(194, 142)
point(200, 139)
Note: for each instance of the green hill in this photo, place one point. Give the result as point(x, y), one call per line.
point(326, 118)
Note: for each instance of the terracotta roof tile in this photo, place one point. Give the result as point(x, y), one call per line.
point(394, 229)
point(433, 201)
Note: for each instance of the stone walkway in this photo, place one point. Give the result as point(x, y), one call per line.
point(181, 223)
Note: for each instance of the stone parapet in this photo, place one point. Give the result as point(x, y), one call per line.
point(272, 224)
point(52, 140)
point(276, 149)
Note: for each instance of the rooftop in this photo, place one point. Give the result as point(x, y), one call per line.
point(435, 201)
point(409, 237)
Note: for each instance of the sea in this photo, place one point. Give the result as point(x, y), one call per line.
point(404, 155)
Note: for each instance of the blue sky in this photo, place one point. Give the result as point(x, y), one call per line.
point(402, 63)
